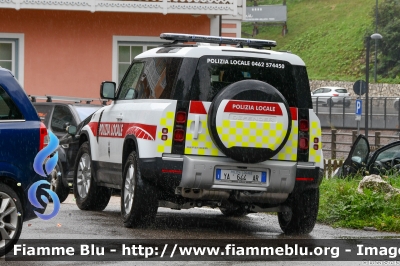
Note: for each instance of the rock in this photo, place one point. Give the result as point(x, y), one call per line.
point(376, 183)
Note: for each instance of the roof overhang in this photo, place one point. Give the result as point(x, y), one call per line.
point(193, 7)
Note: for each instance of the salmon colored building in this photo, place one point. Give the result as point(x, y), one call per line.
point(69, 47)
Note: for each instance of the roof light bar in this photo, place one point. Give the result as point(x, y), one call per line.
point(180, 37)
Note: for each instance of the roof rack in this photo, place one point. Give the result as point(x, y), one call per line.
point(34, 98)
point(239, 42)
point(50, 98)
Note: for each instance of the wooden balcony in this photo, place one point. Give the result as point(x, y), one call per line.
point(194, 7)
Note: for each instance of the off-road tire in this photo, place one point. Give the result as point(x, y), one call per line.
point(57, 184)
point(303, 215)
point(11, 218)
point(88, 195)
point(139, 202)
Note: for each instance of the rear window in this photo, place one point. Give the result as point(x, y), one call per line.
point(8, 110)
point(215, 73)
point(44, 112)
point(341, 90)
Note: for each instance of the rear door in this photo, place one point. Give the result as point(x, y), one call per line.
point(225, 124)
point(342, 92)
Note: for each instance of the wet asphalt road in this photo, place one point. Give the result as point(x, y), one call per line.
point(199, 223)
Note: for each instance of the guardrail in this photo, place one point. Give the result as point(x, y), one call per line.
point(383, 112)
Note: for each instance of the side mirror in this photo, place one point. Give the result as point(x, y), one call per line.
point(107, 90)
point(71, 130)
point(66, 125)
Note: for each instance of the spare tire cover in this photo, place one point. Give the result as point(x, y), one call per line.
point(249, 121)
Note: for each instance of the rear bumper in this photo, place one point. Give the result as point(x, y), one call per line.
point(341, 99)
point(198, 172)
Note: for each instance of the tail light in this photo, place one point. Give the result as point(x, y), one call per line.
point(180, 117)
point(303, 125)
point(179, 131)
point(303, 143)
point(335, 94)
point(43, 137)
point(179, 135)
point(303, 134)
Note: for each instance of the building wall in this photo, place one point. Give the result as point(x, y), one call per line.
point(231, 25)
point(69, 53)
point(231, 28)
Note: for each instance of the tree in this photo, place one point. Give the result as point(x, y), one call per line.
point(389, 28)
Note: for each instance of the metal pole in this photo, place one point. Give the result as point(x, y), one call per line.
point(220, 26)
point(376, 16)
point(367, 85)
point(375, 63)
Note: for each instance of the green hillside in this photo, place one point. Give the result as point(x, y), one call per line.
point(327, 34)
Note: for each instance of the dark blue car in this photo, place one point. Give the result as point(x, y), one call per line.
point(22, 136)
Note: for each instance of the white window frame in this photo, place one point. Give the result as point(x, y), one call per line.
point(18, 66)
point(133, 41)
point(13, 63)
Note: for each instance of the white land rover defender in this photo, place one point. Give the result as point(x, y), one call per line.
point(195, 125)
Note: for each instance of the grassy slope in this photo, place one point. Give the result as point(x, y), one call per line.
point(342, 206)
point(327, 34)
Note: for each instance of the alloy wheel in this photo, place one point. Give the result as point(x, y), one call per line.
point(84, 175)
point(8, 218)
point(55, 175)
point(129, 188)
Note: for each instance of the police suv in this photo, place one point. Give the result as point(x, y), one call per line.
point(228, 126)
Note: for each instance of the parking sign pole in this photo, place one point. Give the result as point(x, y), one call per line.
point(358, 121)
point(358, 113)
point(358, 127)
point(359, 88)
